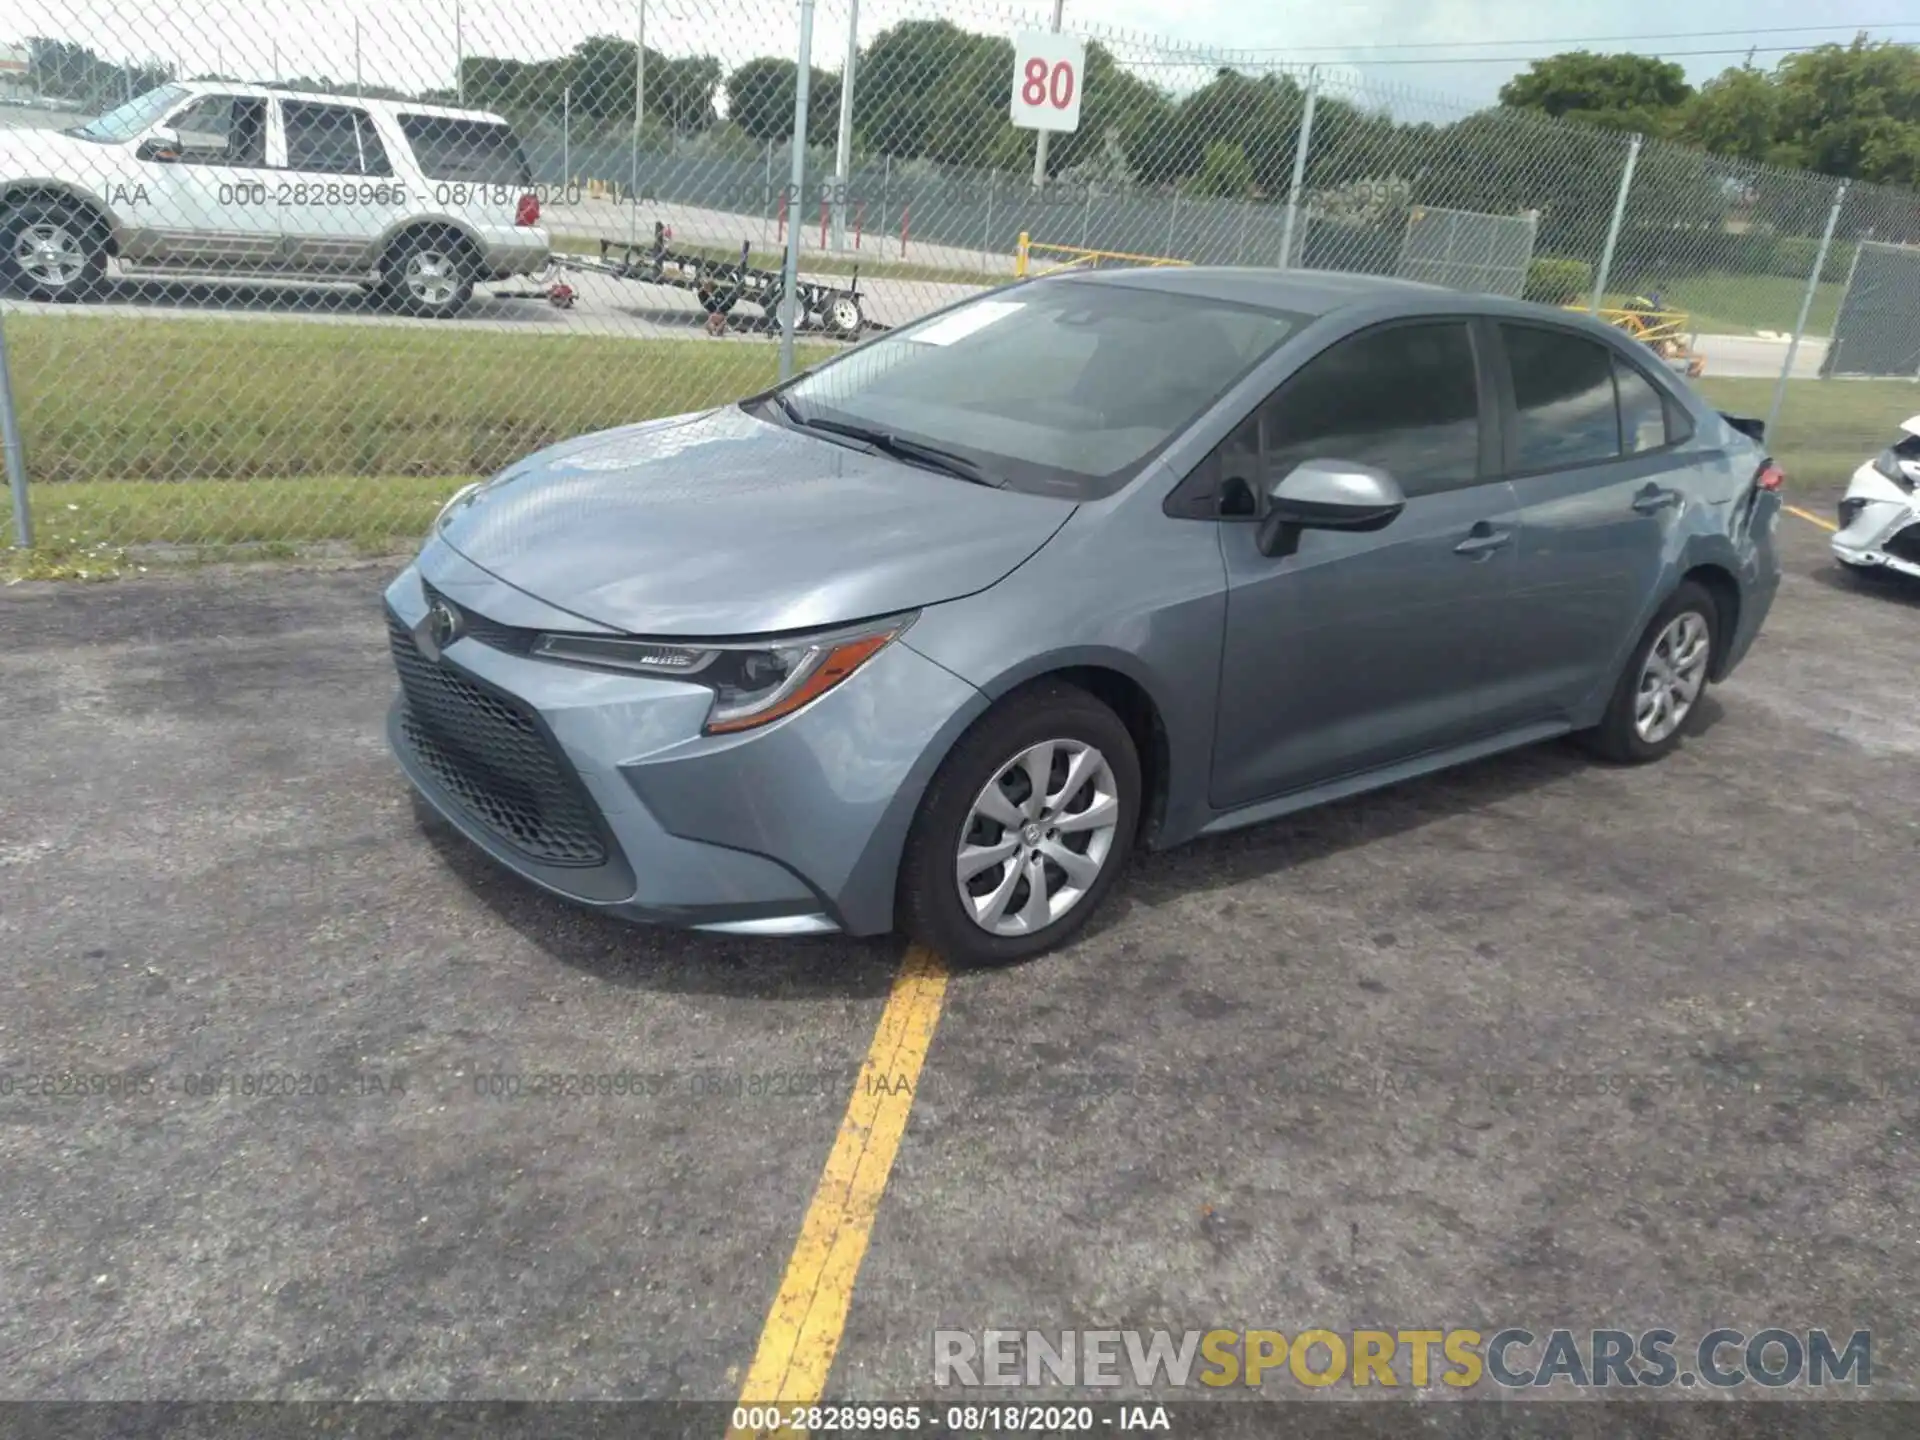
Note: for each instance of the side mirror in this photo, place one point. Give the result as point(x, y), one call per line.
point(162, 145)
point(1326, 495)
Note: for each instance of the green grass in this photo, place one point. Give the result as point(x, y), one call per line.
point(1827, 427)
point(815, 264)
point(1722, 304)
point(106, 399)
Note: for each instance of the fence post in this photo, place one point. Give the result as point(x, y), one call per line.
point(639, 110)
point(986, 235)
point(1613, 226)
point(1300, 144)
point(790, 277)
point(1806, 305)
point(16, 460)
point(1020, 255)
point(1173, 213)
point(566, 139)
point(843, 142)
point(459, 59)
point(1240, 250)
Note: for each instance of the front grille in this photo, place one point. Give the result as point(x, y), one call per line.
point(1905, 545)
point(494, 758)
point(488, 632)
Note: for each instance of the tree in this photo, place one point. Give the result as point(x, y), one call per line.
point(761, 97)
point(1851, 110)
point(1613, 92)
point(1225, 172)
point(1736, 115)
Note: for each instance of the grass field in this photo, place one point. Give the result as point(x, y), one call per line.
point(1720, 304)
point(203, 436)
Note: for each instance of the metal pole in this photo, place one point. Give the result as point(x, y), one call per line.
point(356, 57)
point(1040, 136)
point(566, 138)
point(459, 57)
point(986, 233)
point(1300, 144)
point(16, 459)
point(639, 108)
point(1246, 213)
point(1613, 227)
point(843, 145)
point(1173, 212)
point(1806, 305)
point(790, 275)
point(276, 62)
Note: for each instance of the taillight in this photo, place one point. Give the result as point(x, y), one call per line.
point(1771, 477)
point(527, 212)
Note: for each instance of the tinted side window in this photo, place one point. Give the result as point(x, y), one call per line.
point(323, 138)
point(1404, 398)
point(1643, 411)
point(478, 152)
point(1563, 390)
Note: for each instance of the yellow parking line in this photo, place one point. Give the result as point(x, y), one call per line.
point(1810, 517)
point(803, 1328)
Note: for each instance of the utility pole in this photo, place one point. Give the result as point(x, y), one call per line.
point(639, 109)
point(790, 271)
point(1040, 136)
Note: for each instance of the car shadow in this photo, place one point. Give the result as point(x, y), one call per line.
point(1878, 584)
point(1266, 851)
point(647, 957)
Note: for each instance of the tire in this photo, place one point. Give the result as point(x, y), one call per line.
point(842, 316)
point(429, 274)
point(51, 251)
point(1687, 625)
point(989, 757)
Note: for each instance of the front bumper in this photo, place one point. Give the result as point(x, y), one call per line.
point(1879, 525)
point(793, 829)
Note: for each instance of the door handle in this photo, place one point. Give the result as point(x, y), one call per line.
point(1652, 500)
point(1483, 539)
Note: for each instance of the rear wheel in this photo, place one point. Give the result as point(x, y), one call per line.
point(52, 252)
point(1659, 691)
point(429, 274)
point(1024, 829)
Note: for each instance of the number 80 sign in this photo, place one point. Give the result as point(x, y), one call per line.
point(1047, 73)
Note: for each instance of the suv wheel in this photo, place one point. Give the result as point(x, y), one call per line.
point(429, 274)
point(51, 252)
point(1024, 829)
point(1660, 689)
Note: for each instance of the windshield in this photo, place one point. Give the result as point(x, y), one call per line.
point(133, 118)
point(1061, 387)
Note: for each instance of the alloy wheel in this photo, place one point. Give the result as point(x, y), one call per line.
point(1671, 677)
point(49, 254)
point(1037, 837)
point(431, 278)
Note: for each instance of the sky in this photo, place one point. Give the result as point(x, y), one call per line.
point(1455, 52)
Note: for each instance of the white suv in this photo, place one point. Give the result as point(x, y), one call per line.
point(420, 201)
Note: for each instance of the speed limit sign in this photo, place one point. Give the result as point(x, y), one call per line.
point(1047, 72)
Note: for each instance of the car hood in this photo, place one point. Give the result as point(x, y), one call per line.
point(34, 153)
point(722, 524)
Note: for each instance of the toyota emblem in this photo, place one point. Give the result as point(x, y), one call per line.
point(439, 629)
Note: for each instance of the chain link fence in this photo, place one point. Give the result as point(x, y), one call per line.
point(289, 276)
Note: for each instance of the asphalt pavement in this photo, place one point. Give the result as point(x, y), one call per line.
point(1538, 1042)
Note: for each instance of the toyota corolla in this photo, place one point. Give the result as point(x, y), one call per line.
point(934, 635)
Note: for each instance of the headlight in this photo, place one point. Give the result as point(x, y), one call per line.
point(1887, 462)
point(753, 682)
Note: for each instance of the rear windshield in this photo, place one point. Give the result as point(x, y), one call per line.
point(480, 152)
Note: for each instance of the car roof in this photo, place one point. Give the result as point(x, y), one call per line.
point(1319, 293)
point(379, 107)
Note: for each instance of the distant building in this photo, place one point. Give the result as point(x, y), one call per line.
point(16, 79)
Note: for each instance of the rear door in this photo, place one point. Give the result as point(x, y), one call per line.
point(1590, 445)
point(1363, 648)
point(208, 201)
point(337, 196)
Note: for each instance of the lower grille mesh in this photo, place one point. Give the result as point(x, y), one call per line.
point(489, 753)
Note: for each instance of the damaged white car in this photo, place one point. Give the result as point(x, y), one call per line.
point(1880, 513)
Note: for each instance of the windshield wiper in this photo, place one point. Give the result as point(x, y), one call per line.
point(913, 451)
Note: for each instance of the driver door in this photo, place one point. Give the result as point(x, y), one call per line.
point(1362, 648)
point(209, 201)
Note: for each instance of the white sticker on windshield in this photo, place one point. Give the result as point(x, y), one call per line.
point(963, 323)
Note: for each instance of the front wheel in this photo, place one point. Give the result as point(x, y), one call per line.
point(1024, 829)
point(51, 253)
point(1660, 689)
